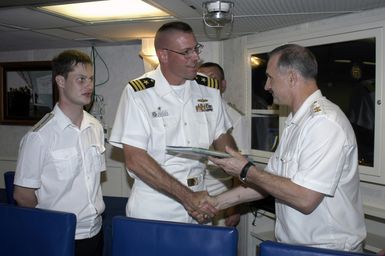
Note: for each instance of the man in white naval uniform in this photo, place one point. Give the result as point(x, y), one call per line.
point(170, 106)
point(313, 174)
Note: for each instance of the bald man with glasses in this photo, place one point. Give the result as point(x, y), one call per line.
point(170, 106)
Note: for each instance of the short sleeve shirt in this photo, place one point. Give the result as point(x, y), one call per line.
point(152, 116)
point(63, 163)
point(318, 151)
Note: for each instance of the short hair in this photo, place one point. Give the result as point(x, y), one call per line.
point(170, 27)
point(64, 63)
point(296, 57)
point(213, 64)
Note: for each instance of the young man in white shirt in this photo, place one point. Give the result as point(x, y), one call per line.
point(61, 157)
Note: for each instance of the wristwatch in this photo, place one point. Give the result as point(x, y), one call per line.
point(245, 169)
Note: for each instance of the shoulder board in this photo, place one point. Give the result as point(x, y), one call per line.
point(316, 108)
point(207, 81)
point(142, 84)
point(42, 122)
point(233, 106)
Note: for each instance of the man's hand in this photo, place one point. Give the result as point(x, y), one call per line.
point(203, 207)
point(232, 165)
point(232, 217)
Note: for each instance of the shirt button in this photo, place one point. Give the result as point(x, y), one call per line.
point(185, 123)
point(188, 142)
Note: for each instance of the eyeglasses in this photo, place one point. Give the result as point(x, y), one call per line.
point(189, 52)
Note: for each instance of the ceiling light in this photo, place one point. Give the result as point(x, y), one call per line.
point(106, 11)
point(342, 61)
point(217, 14)
point(148, 54)
point(256, 61)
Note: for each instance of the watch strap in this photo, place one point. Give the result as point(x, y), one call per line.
point(245, 169)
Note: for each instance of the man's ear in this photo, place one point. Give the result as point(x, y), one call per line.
point(292, 77)
point(59, 79)
point(162, 55)
point(223, 86)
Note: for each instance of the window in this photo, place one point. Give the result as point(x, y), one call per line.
point(346, 76)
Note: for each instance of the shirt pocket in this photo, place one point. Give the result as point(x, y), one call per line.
point(66, 162)
point(170, 128)
point(205, 131)
point(96, 158)
point(159, 138)
point(289, 165)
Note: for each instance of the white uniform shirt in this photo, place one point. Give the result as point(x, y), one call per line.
point(151, 118)
point(64, 163)
point(217, 180)
point(318, 151)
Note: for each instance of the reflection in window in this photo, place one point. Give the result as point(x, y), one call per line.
point(346, 76)
point(264, 132)
point(261, 99)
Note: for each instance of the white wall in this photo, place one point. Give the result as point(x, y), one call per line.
point(124, 64)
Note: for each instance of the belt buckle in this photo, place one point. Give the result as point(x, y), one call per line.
point(192, 182)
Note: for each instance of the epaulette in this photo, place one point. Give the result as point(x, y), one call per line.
point(233, 106)
point(207, 81)
point(316, 108)
point(142, 84)
point(42, 122)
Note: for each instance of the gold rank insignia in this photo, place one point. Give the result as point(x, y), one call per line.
point(142, 84)
point(207, 81)
point(316, 107)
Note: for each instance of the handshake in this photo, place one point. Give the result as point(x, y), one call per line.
point(202, 207)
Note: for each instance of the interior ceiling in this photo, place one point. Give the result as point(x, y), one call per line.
point(23, 27)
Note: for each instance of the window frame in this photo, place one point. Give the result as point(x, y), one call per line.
point(370, 174)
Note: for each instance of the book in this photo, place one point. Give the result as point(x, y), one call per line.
point(195, 151)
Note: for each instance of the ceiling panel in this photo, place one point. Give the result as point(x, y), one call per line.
point(23, 27)
point(26, 40)
point(32, 19)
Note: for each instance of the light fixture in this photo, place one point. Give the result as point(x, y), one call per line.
point(148, 54)
point(256, 61)
point(107, 11)
point(216, 14)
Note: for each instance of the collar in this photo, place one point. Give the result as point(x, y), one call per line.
point(63, 121)
point(304, 108)
point(162, 87)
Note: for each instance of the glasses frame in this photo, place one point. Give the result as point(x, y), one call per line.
point(188, 53)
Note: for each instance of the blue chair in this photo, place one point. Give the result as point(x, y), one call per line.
point(8, 180)
point(36, 232)
point(270, 248)
point(140, 237)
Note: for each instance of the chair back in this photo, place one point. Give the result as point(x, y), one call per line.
point(151, 237)
point(270, 248)
point(8, 180)
point(36, 232)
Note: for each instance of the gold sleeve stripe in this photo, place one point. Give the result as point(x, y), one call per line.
point(137, 85)
point(142, 84)
point(213, 83)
